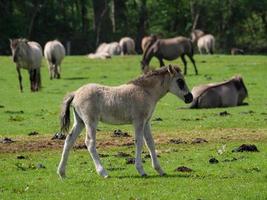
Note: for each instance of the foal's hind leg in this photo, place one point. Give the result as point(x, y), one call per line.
point(151, 147)
point(90, 142)
point(139, 134)
point(76, 130)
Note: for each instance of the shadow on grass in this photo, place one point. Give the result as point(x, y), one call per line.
point(75, 78)
point(178, 175)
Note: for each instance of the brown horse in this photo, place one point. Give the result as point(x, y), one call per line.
point(169, 49)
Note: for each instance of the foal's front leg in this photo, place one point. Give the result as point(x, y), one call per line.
point(139, 134)
point(151, 147)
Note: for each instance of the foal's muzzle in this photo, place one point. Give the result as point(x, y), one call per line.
point(188, 98)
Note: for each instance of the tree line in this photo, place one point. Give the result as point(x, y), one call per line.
point(84, 24)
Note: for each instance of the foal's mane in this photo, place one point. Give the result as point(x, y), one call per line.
point(148, 79)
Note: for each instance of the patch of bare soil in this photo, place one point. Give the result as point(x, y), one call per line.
point(37, 142)
point(183, 169)
point(246, 147)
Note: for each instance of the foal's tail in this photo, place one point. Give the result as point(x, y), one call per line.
point(65, 113)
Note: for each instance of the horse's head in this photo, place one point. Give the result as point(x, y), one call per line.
point(178, 85)
point(18, 48)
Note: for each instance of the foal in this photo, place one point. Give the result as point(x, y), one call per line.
point(131, 103)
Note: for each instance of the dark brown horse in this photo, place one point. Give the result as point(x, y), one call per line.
point(169, 49)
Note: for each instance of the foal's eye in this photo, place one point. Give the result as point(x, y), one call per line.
point(180, 83)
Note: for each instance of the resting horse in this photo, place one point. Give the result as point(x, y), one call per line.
point(225, 94)
point(27, 55)
point(131, 103)
point(169, 49)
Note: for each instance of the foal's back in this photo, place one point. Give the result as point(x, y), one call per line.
point(114, 105)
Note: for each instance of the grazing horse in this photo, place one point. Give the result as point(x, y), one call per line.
point(131, 103)
point(205, 42)
point(169, 49)
point(27, 55)
point(127, 45)
point(54, 52)
point(225, 94)
point(147, 41)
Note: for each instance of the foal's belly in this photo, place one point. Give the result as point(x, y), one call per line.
point(116, 117)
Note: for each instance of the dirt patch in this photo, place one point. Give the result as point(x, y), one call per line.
point(122, 154)
point(158, 119)
point(104, 140)
point(246, 147)
point(33, 133)
point(199, 140)
point(183, 169)
point(224, 113)
point(119, 133)
point(213, 161)
point(59, 136)
point(177, 141)
point(7, 140)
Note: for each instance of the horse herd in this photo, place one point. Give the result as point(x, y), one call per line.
point(28, 55)
point(130, 103)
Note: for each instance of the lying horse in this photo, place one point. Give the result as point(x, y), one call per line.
point(127, 45)
point(27, 55)
point(132, 103)
point(54, 52)
point(225, 94)
point(169, 49)
point(205, 42)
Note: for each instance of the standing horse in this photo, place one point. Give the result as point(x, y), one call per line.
point(147, 41)
point(169, 49)
point(131, 103)
point(54, 52)
point(205, 42)
point(127, 45)
point(27, 55)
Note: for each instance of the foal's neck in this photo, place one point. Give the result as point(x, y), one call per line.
point(159, 88)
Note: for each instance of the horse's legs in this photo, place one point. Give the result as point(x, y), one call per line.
point(194, 63)
point(38, 79)
point(161, 61)
point(51, 71)
point(58, 71)
point(185, 64)
point(32, 79)
point(90, 142)
point(20, 79)
point(76, 130)
point(139, 135)
point(151, 147)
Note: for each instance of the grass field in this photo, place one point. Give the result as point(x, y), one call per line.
point(236, 176)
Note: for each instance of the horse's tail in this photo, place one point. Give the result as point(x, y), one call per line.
point(65, 113)
point(53, 59)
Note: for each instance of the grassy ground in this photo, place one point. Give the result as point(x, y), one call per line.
point(243, 177)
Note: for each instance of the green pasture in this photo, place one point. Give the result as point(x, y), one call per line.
point(236, 176)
